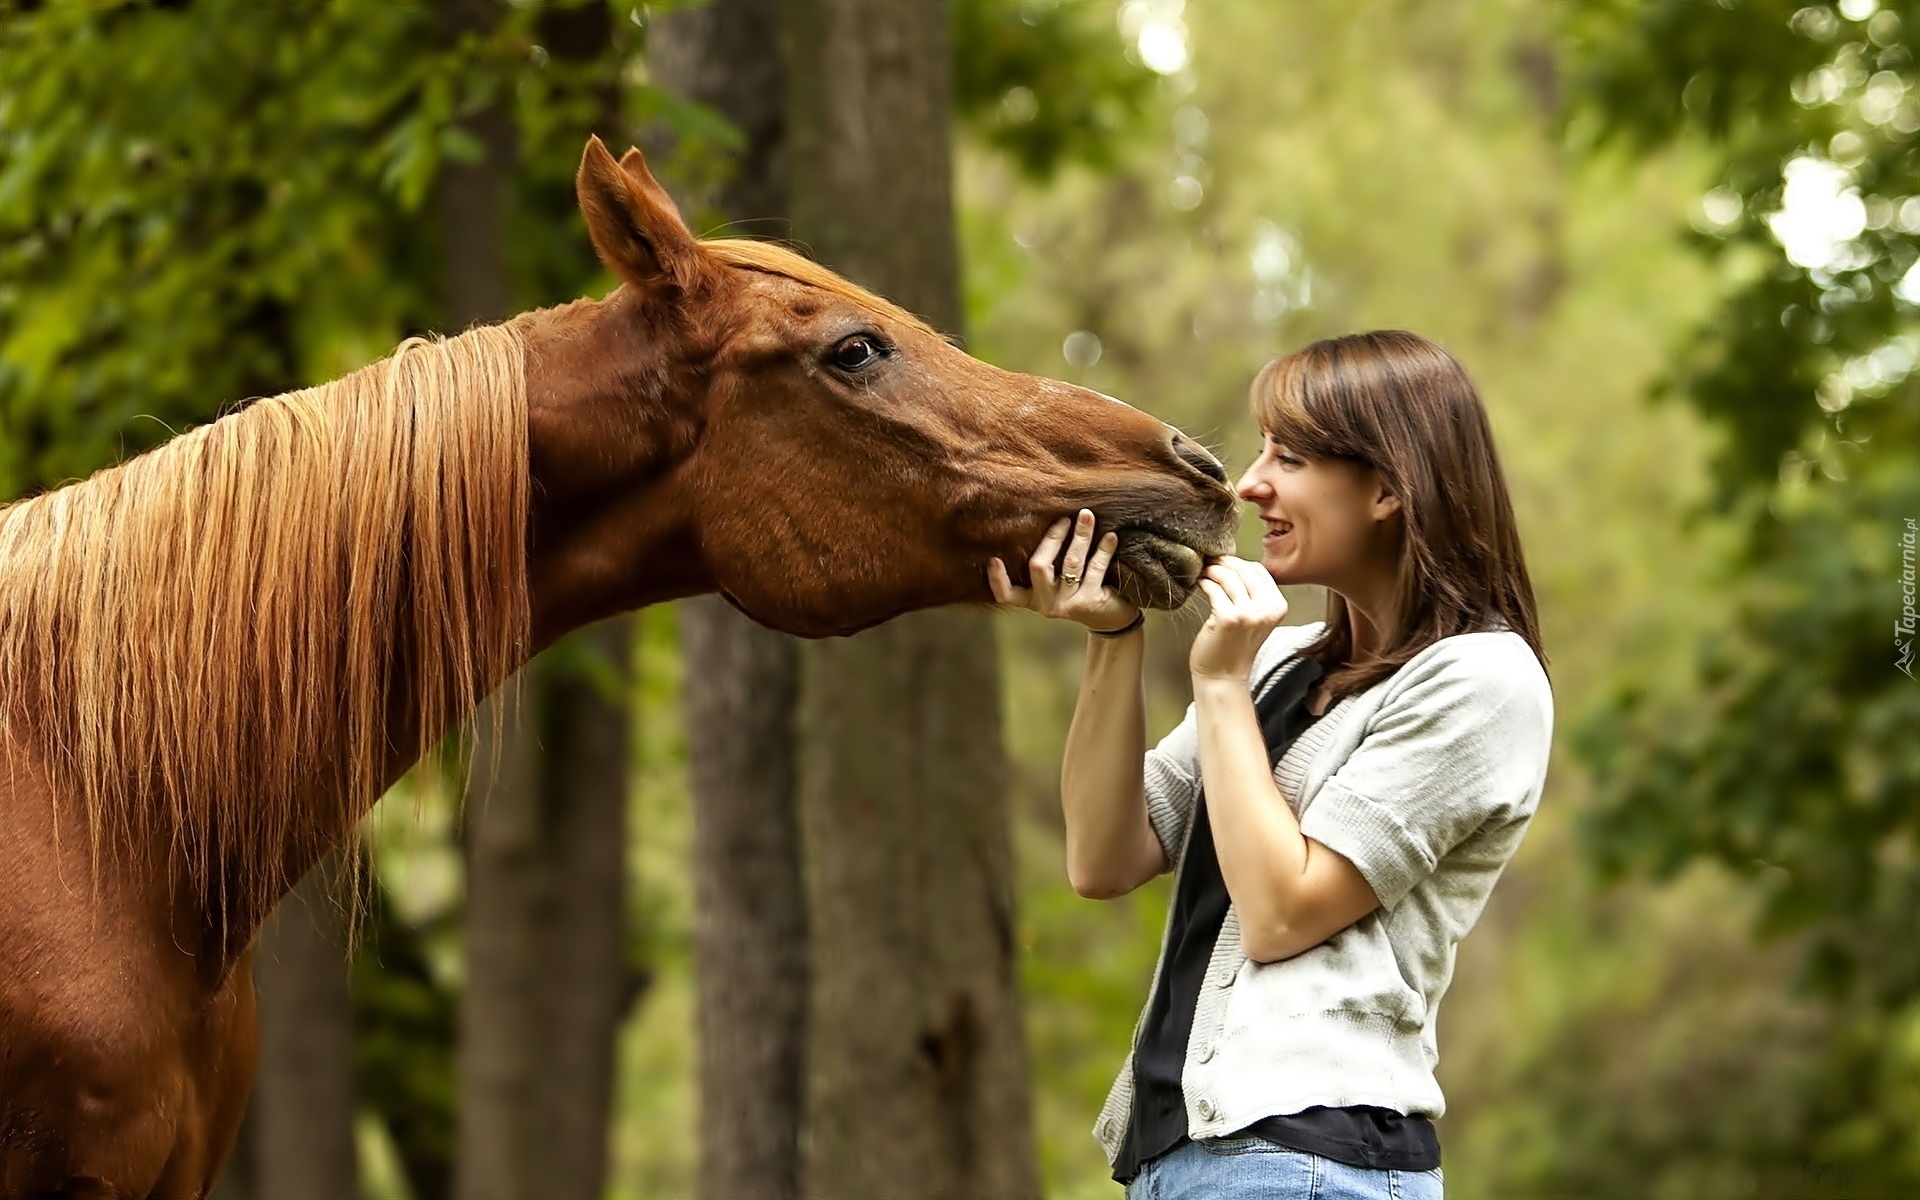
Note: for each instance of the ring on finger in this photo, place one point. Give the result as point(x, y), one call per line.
point(1072, 577)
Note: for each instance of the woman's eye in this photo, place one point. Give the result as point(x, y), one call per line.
point(856, 352)
point(1280, 455)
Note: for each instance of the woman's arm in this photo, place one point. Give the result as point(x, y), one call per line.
point(1111, 846)
point(1291, 892)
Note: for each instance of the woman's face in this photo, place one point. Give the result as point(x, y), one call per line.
point(1328, 521)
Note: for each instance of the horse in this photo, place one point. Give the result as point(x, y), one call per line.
point(215, 656)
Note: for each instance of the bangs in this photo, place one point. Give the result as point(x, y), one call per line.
point(1292, 402)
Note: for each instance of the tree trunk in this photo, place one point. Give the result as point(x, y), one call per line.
point(547, 979)
point(728, 55)
point(499, 1026)
point(585, 691)
point(750, 917)
point(302, 1110)
point(918, 1056)
point(742, 688)
point(585, 980)
point(405, 1026)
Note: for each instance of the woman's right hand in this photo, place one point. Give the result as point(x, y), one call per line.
point(1078, 591)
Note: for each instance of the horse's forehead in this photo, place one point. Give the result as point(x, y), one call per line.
point(779, 305)
point(782, 307)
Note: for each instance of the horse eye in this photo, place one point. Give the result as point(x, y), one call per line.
point(856, 353)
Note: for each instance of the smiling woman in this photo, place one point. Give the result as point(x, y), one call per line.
point(1338, 801)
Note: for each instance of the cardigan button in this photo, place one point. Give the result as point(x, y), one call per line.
point(1206, 1052)
point(1205, 1108)
point(1225, 977)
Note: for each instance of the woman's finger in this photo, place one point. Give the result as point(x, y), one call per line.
point(1258, 579)
point(1096, 576)
point(1252, 572)
point(1229, 582)
point(1216, 599)
point(1040, 566)
point(1048, 551)
point(1073, 566)
point(1266, 593)
point(1261, 589)
point(1004, 589)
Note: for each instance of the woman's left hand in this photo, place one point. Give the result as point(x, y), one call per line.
point(1247, 606)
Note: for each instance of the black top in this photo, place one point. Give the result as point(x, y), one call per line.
point(1359, 1136)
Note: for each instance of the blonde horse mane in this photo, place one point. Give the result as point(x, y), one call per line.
point(202, 641)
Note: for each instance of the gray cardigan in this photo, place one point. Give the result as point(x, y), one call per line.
point(1425, 782)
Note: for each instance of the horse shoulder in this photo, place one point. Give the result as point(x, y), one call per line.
point(99, 1028)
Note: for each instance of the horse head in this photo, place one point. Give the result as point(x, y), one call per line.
point(736, 418)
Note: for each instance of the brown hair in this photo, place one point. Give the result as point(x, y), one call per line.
point(1394, 401)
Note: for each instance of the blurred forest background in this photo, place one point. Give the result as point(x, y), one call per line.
point(1674, 241)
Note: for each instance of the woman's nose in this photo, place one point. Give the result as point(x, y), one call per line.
point(1251, 486)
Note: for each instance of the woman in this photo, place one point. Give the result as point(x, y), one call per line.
point(1340, 797)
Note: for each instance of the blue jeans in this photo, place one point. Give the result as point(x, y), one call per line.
point(1251, 1168)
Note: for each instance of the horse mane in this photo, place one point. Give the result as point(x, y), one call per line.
point(209, 639)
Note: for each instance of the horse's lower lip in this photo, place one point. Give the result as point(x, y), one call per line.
point(1172, 552)
point(1154, 570)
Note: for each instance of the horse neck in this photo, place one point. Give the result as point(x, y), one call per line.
point(606, 530)
point(611, 435)
point(223, 649)
point(610, 522)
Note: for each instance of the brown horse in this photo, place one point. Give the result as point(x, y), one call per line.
point(214, 657)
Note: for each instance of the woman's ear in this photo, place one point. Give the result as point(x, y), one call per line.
point(1385, 503)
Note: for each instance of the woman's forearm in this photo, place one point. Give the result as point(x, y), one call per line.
point(1291, 892)
point(1111, 846)
point(1256, 837)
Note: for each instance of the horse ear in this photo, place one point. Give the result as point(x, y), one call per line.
point(635, 227)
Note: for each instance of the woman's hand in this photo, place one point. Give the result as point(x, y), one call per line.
point(1080, 592)
point(1247, 606)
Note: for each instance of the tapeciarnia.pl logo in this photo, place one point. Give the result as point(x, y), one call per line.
point(1903, 626)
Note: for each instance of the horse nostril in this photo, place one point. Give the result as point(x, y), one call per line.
point(1195, 455)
